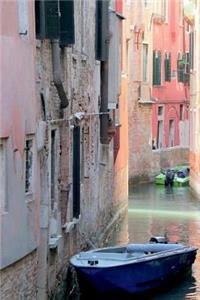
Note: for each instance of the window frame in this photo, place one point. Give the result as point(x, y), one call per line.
point(29, 191)
point(157, 69)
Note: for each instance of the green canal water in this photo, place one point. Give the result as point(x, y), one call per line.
point(155, 210)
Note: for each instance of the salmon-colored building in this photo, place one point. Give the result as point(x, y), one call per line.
point(157, 40)
point(170, 84)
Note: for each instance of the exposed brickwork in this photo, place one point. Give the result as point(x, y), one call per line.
point(18, 281)
point(81, 80)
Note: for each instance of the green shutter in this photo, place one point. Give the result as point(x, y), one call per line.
point(158, 68)
point(167, 65)
point(169, 68)
point(51, 19)
point(191, 47)
point(101, 38)
point(67, 23)
point(47, 19)
point(166, 68)
point(154, 67)
point(180, 70)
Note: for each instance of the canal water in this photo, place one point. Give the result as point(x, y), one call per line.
point(175, 212)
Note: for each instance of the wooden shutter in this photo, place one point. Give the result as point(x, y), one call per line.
point(158, 68)
point(47, 19)
point(101, 38)
point(167, 66)
point(191, 49)
point(51, 19)
point(154, 68)
point(180, 69)
point(67, 23)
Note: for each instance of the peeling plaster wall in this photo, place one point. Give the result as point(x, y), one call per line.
point(18, 113)
point(81, 79)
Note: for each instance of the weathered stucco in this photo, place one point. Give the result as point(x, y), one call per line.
point(18, 114)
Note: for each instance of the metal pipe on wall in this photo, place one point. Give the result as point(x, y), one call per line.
point(56, 65)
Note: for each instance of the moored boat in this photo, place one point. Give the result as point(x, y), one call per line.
point(131, 269)
point(178, 176)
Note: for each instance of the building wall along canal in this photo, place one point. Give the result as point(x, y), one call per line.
point(72, 143)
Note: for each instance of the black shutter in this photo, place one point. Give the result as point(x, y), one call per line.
point(67, 23)
point(47, 19)
point(101, 37)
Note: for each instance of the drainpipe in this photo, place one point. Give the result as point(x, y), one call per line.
point(56, 65)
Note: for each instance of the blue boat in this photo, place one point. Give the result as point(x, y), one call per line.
point(131, 269)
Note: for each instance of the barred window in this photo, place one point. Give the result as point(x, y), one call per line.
point(29, 166)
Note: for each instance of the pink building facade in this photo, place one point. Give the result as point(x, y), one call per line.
point(19, 164)
point(170, 89)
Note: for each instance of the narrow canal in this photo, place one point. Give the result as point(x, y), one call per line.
point(155, 210)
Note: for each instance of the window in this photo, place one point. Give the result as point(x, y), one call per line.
point(187, 68)
point(145, 61)
point(156, 67)
point(167, 65)
point(101, 36)
point(191, 47)
point(76, 172)
point(29, 166)
point(53, 164)
point(165, 9)
point(171, 133)
point(181, 111)
point(160, 110)
point(147, 3)
point(3, 202)
point(160, 134)
point(55, 20)
point(67, 35)
point(180, 68)
point(23, 16)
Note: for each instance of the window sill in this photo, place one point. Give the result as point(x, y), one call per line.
point(29, 197)
point(54, 241)
point(69, 226)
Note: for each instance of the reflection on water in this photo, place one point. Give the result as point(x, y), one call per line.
point(155, 210)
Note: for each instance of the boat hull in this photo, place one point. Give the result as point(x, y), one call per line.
point(138, 277)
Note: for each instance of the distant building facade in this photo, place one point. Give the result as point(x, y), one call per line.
point(158, 93)
point(60, 138)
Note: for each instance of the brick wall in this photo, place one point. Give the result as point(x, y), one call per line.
point(18, 281)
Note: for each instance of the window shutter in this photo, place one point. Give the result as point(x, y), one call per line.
point(191, 49)
point(67, 23)
point(167, 65)
point(187, 69)
point(51, 19)
point(180, 70)
point(101, 30)
point(47, 19)
point(158, 68)
point(169, 68)
point(154, 68)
